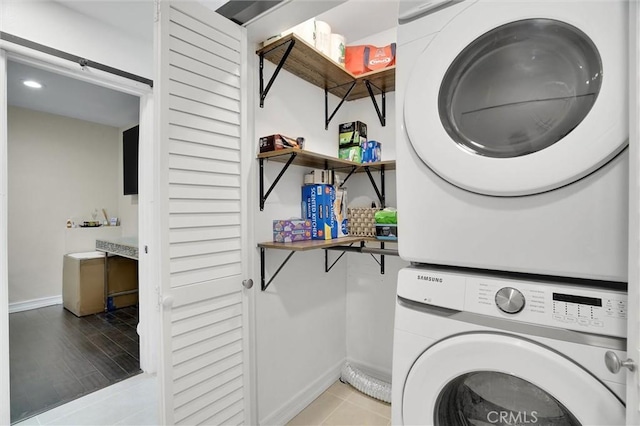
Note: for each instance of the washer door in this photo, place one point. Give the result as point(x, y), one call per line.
point(497, 379)
point(517, 98)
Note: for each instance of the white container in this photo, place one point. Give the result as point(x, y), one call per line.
point(323, 37)
point(305, 30)
point(337, 48)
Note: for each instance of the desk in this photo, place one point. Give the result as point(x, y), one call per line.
point(122, 246)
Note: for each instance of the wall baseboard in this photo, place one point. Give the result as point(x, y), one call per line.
point(27, 305)
point(291, 409)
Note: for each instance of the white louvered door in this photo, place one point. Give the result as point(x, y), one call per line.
point(199, 83)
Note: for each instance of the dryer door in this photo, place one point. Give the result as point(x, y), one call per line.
point(518, 98)
point(497, 379)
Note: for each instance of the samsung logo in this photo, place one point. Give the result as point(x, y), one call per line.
point(429, 278)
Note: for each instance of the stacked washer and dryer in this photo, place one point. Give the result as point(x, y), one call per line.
point(513, 203)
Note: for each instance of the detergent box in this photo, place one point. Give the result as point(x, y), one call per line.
point(290, 230)
point(352, 133)
point(351, 153)
point(371, 151)
point(318, 208)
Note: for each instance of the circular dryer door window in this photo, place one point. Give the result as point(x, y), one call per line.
point(520, 88)
point(487, 379)
point(521, 98)
point(498, 398)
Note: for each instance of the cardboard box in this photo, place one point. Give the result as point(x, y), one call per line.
point(340, 211)
point(317, 176)
point(352, 133)
point(290, 230)
point(276, 142)
point(371, 152)
point(83, 283)
point(317, 206)
point(351, 153)
point(123, 276)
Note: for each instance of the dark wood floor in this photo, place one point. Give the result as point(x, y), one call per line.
point(57, 357)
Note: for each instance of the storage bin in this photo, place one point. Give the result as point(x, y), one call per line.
point(83, 283)
point(362, 222)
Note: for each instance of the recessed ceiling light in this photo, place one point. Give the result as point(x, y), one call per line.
point(32, 84)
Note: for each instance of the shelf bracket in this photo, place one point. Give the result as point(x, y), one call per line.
point(379, 192)
point(263, 195)
point(327, 268)
point(264, 285)
point(265, 90)
point(352, 171)
point(327, 117)
point(382, 116)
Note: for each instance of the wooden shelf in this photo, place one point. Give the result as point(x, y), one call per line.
point(306, 62)
point(344, 244)
point(320, 161)
point(312, 244)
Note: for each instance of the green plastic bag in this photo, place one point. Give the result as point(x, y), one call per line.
point(388, 215)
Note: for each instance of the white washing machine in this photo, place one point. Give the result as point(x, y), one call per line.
point(512, 136)
point(484, 350)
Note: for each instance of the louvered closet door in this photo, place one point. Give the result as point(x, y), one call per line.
point(199, 110)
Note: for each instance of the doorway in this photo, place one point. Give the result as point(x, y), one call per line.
point(69, 243)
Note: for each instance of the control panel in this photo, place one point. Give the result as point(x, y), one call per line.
point(581, 308)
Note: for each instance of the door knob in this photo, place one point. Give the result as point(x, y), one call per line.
point(247, 283)
point(614, 364)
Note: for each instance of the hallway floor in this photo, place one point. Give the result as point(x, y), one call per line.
point(342, 404)
point(57, 357)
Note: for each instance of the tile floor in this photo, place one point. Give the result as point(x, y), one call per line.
point(133, 401)
point(342, 404)
point(56, 357)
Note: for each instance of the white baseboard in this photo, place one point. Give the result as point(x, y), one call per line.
point(371, 370)
point(291, 409)
point(27, 305)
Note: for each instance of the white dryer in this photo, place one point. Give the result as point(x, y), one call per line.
point(512, 136)
point(486, 350)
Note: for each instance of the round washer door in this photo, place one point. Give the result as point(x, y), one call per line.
point(518, 98)
point(485, 378)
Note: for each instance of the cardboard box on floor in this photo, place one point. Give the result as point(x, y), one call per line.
point(83, 283)
point(123, 276)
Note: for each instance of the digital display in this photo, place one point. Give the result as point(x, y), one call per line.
point(593, 301)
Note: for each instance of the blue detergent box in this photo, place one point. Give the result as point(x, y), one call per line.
point(371, 151)
point(317, 207)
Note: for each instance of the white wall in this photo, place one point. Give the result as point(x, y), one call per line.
point(309, 321)
point(53, 25)
point(301, 318)
point(370, 295)
point(59, 168)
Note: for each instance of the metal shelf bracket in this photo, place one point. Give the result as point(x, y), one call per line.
point(263, 195)
point(327, 117)
point(379, 192)
point(264, 285)
point(382, 116)
point(265, 90)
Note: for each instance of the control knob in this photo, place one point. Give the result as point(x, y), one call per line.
point(510, 300)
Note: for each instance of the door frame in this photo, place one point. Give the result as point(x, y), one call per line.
point(147, 218)
point(633, 303)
